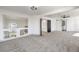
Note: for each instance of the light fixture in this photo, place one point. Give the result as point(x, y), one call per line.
point(33, 8)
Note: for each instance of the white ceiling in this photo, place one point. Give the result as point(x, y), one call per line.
point(72, 13)
point(28, 11)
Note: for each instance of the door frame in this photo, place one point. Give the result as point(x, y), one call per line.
point(41, 33)
point(40, 26)
point(48, 26)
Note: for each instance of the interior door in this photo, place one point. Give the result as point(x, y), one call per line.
point(48, 25)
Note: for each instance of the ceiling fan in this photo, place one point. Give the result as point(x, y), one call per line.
point(65, 16)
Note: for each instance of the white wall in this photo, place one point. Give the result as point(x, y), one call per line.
point(34, 25)
point(53, 24)
point(73, 24)
point(1, 28)
point(56, 24)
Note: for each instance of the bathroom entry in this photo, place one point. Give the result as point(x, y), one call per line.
point(48, 25)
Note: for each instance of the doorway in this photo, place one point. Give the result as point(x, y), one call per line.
point(48, 25)
point(64, 25)
point(45, 26)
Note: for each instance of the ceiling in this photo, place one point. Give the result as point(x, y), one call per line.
point(28, 11)
point(72, 13)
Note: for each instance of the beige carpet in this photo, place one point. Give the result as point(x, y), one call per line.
point(51, 42)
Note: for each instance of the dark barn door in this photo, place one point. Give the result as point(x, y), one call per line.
point(48, 25)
